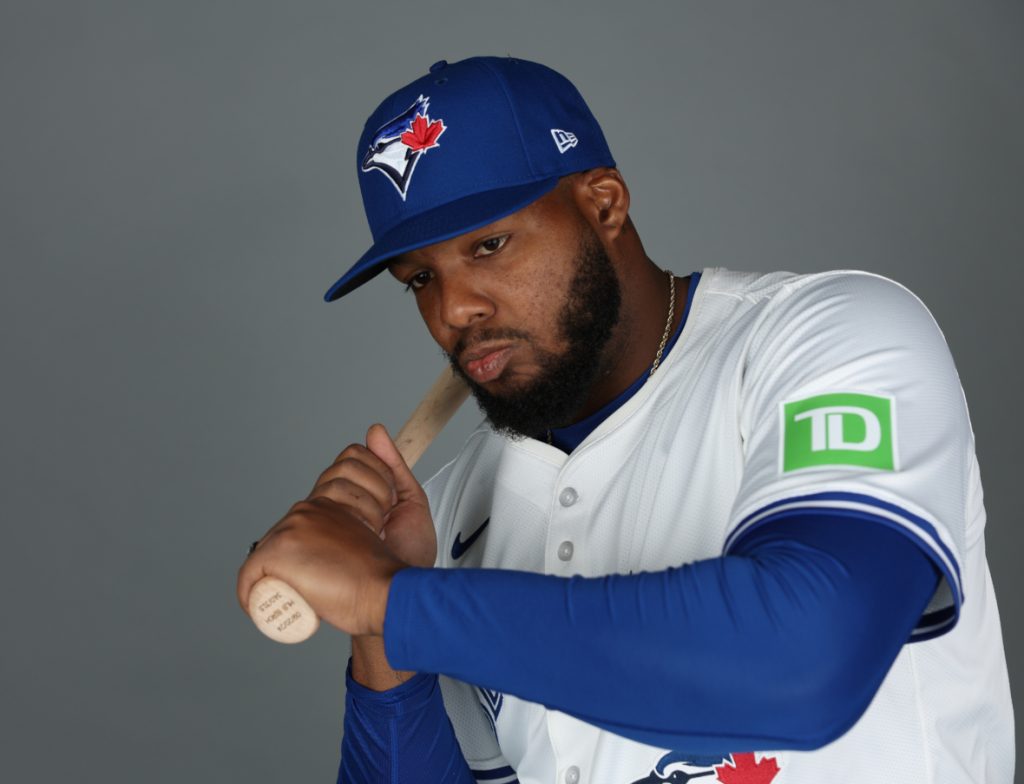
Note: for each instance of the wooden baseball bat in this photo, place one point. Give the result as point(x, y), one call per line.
point(274, 606)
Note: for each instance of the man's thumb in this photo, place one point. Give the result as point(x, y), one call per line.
point(379, 441)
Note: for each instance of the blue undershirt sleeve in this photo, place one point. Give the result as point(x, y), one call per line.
point(399, 735)
point(779, 645)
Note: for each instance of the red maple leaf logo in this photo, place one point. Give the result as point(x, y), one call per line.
point(745, 771)
point(423, 136)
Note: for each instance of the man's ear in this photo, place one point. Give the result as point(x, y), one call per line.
point(603, 198)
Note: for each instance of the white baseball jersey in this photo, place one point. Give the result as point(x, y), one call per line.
point(825, 391)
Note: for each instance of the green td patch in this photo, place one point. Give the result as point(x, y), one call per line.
point(839, 429)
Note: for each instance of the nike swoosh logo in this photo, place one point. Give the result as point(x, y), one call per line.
point(459, 547)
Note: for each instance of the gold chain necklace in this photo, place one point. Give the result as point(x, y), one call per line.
point(668, 322)
point(665, 334)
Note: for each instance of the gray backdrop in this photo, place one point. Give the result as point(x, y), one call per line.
point(177, 189)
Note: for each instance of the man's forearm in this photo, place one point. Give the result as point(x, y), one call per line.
point(732, 638)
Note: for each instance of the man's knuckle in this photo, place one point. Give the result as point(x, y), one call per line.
point(301, 512)
point(351, 452)
point(340, 487)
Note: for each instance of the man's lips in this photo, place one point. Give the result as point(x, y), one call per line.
point(486, 363)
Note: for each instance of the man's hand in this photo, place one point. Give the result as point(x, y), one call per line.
point(330, 546)
point(375, 482)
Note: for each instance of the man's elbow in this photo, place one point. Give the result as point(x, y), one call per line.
point(830, 693)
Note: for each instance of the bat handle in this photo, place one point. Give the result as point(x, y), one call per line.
point(275, 607)
point(280, 612)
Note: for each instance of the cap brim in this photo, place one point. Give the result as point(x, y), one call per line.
point(436, 225)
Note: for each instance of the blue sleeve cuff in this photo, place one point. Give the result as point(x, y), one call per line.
point(402, 734)
point(404, 698)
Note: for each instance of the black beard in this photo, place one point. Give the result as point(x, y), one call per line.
point(559, 392)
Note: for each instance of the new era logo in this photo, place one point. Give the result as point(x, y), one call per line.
point(564, 139)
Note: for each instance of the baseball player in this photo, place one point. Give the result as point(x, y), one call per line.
point(723, 527)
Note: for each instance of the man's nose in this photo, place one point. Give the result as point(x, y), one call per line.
point(462, 304)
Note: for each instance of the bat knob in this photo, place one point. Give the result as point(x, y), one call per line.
point(280, 612)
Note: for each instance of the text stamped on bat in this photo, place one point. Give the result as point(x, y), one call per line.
point(280, 613)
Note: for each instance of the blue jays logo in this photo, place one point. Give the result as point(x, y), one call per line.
point(679, 768)
point(399, 143)
point(683, 768)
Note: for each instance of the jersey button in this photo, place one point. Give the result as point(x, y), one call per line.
point(568, 497)
point(572, 775)
point(565, 551)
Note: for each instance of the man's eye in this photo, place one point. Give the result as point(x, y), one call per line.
point(492, 245)
point(418, 281)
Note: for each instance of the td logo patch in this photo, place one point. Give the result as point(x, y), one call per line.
point(839, 429)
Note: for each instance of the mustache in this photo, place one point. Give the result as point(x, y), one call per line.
point(486, 336)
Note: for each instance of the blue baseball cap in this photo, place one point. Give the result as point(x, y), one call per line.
point(463, 146)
